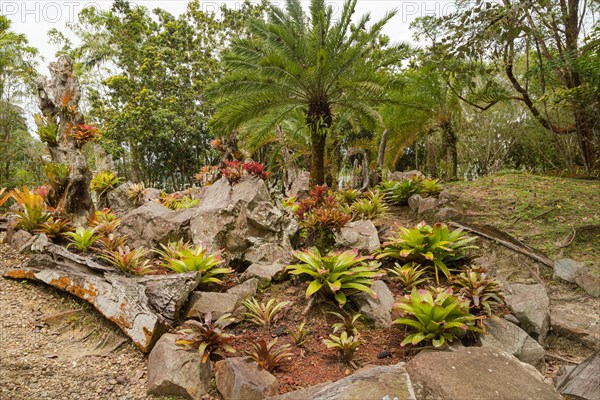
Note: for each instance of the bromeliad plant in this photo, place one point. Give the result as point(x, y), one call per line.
point(345, 345)
point(300, 334)
point(267, 355)
point(257, 169)
point(55, 228)
point(82, 239)
point(262, 314)
point(428, 245)
point(348, 322)
point(337, 274)
point(181, 257)
point(83, 133)
point(370, 207)
point(398, 192)
point(409, 275)
point(32, 211)
point(208, 336)
point(110, 242)
point(347, 196)
point(430, 187)
point(233, 171)
point(129, 261)
point(137, 193)
point(176, 201)
point(437, 316)
point(103, 182)
point(484, 293)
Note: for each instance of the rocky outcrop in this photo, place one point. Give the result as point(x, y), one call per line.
point(118, 198)
point(381, 382)
point(361, 235)
point(427, 206)
point(582, 381)
point(175, 372)
point(531, 306)
point(239, 379)
point(377, 311)
point(476, 372)
point(153, 223)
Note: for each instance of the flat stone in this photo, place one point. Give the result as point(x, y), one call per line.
point(531, 306)
point(361, 235)
point(261, 272)
point(238, 379)
point(568, 269)
point(576, 324)
point(590, 283)
point(20, 239)
point(373, 383)
point(377, 311)
point(583, 381)
point(36, 244)
point(175, 372)
point(245, 289)
point(476, 372)
point(428, 206)
point(447, 214)
point(201, 303)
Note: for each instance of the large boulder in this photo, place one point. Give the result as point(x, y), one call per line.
point(531, 306)
point(118, 198)
point(361, 235)
point(153, 223)
point(242, 220)
point(378, 310)
point(428, 206)
point(582, 382)
point(300, 186)
point(590, 283)
point(476, 373)
point(239, 379)
point(568, 269)
point(175, 372)
point(389, 381)
point(201, 303)
point(508, 337)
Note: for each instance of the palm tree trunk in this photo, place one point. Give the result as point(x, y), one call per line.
point(449, 144)
point(317, 157)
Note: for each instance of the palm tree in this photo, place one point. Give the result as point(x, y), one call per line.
point(309, 62)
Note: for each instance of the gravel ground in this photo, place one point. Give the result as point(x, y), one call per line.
point(54, 346)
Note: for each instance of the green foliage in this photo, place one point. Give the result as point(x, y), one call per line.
point(55, 228)
point(291, 203)
point(176, 201)
point(82, 239)
point(428, 245)
point(347, 196)
point(299, 334)
point(371, 207)
point(436, 315)
point(410, 275)
point(128, 261)
point(32, 211)
point(430, 187)
point(110, 242)
point(137, 193)
point(337, 274)
point(484, 293)
point(207, 336)
point(56, 173)
point(267, 355)
point(398, 192)
point(344, 344)
point(262, 314)
point(103, 182)
point(47, 130)
point(181, 257)
point(348, 322)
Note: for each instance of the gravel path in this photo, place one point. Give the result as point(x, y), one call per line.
point(54, 346)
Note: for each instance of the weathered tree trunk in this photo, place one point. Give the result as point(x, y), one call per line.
point(449, 145)
point(58, 101)
point(382, 147)
point(104, 160)
point(431, 154)
point(319, 120)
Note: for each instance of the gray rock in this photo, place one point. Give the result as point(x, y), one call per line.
point(377, 311)
point(175, 372)
point(401, 176)
point(582, 381)
point(576, 324)
point(447, 214)
point(261, 252)
point(152, 193)
point(36, 244)
point(568, 269)
point(245, 289)
point(20, 239)
point(361, 235)
point(428, 206)
point(368, 383)
point(531, 306)
point(476, 372)
point(118, 199)
point(238, 379)
point(446, 197)
point(508, 337)
point(300, 186)
point(414, 201)
point(590, 283)
point(153, 223)
point(169, 293)
point(218, 304)
point(264, 273)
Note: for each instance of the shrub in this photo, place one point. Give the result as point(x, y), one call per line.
point(436, 315)
point(83, 133)
point(82, 239)
point(262, 314)
point(345, 345)
point(207, 336)
point(32, 212)
point(128, 261)
point(428, 245)
point(348, 322)
point(409, 275)
point(371, 207)
point(300, 334)
point(267, 355)
point(483, 292)
point(396, 192)
point(337, 274)
point(181, 257)
point(103, 182)
point(55, 228)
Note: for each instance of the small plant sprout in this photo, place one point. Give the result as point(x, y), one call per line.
point(300, 334)
point(207, 336)
point(345, 345)
point(409, 275)
point(348, 322)
point(128, 261)
point(267, 355)
point(262, 314)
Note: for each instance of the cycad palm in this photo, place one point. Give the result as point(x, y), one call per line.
point(294, 61)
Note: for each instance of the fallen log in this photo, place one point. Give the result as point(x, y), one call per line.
point(142, 307)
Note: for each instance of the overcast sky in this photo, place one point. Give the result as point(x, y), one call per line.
point(35, 18)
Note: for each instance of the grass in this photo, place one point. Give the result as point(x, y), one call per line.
point(541, 211)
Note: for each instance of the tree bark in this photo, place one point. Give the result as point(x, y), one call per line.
point(382, 147)
point(319, 120)
point(449, 144)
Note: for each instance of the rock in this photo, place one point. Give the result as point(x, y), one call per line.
point(20, 239)
point(447, 214)
point(169, 293)
point(153, 223)
point(575, 324)
point(531, 306)
point(568, 269)
point(300, 186)
point(389, 381)
point(583, 381)
point(446, 197)
point(118, 198)
point(427, 206)
point(175, 372)
point(590, 283)
point(508, 337)
point(414, 201)
point(401, 176)
point(152, 193)
point(361, 235)
point(218, 304)
point(377, 311)
point(269, 253)
point(239, 379)
point(476, 372)
point(245, 289)
point(264, 273)
point(36, 244)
